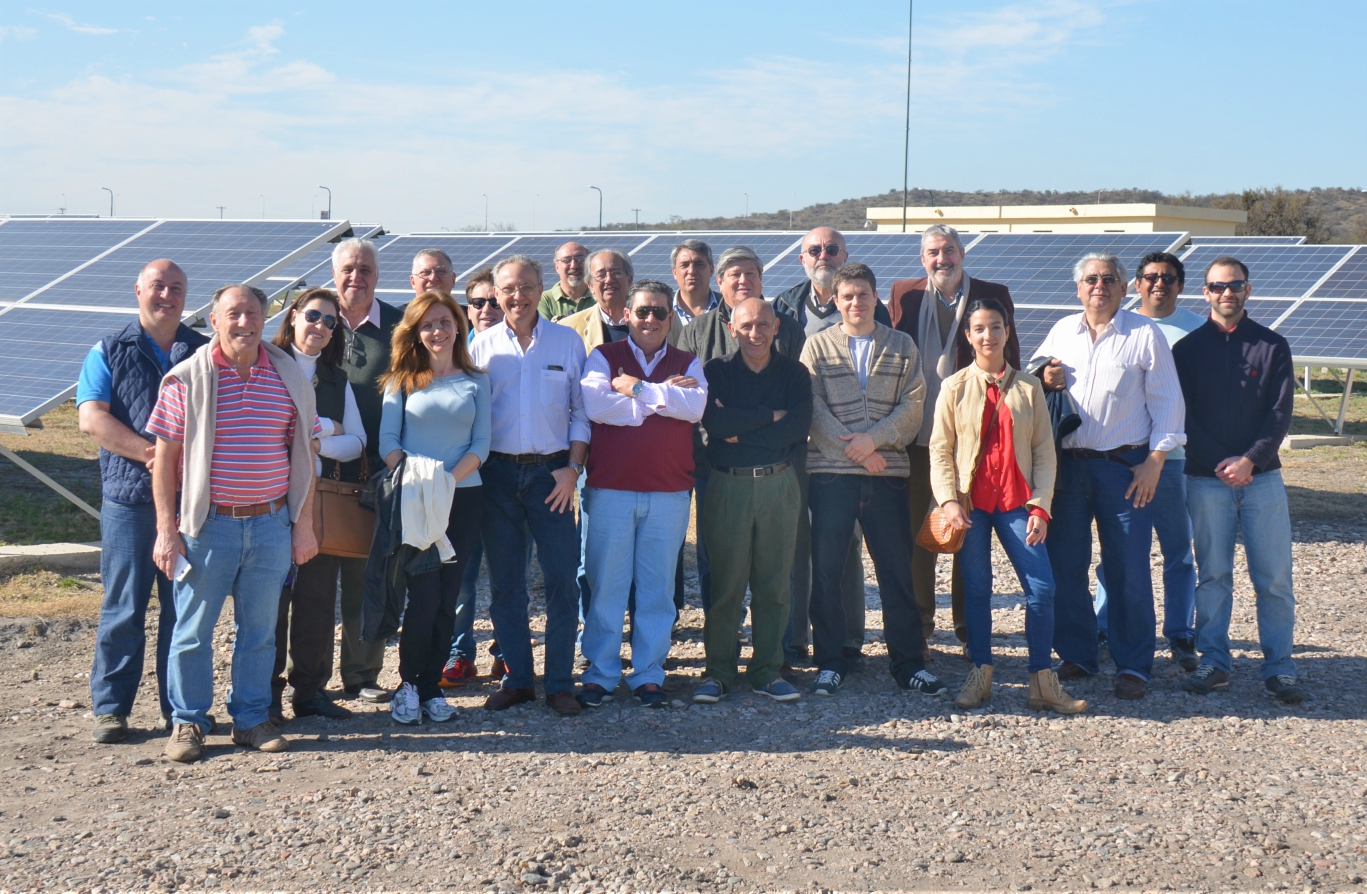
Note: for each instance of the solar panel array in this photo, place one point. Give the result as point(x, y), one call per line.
point(65, 282)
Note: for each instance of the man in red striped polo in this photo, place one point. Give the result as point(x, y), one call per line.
point(226, 423)
point(642, 397)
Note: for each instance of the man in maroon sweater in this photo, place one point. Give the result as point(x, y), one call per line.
point(642, 397)
point(930, 309)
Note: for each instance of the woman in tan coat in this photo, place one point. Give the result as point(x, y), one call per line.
point(992, 468)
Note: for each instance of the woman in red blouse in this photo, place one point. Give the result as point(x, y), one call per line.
point(992, 468)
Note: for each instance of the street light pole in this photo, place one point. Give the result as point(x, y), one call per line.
point(220, 210)
point(263, 207)
point(63, 203)
point(638, 217)
point(329, 217)
point(906, 144)
point(600, 207)
point(111, 199)
point(486, 211)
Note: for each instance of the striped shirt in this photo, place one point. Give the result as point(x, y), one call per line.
point(254, 425)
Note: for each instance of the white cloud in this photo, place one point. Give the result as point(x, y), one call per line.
point(72, 25)
point(17, 32)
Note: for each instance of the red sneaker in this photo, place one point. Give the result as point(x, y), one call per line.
point(456, 672)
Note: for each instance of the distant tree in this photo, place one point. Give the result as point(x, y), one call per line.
point(1277, 212)
point(503, 227)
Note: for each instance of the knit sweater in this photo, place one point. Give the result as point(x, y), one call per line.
point(888, 408)
point(200, 376)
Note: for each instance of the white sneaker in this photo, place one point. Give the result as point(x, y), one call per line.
point(437, 710)
point(403, 707)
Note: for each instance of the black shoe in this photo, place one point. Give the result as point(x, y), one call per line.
point(854, 663)
point(591, 695)
point(1183, 651)
point(1205, 680)
point(926, 683)
point(1284, 689)
point(649, 695)
point(320, 706)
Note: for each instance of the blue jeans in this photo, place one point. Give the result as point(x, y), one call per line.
point(1090, 490)
point(1172, 524)
point(1033, 570)
point(880, 506)
point(248, 558)
point(1259, 512)
point(128, 532)
point(633, 538)
point(515, 499)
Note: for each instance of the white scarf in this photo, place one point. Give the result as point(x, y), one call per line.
point(937, 354)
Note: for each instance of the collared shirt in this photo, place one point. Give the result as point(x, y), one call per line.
point(606, 406)
point(613, 330)
point(998, 485)
point(1124, 383)
point(555, 305)
point(685, 315)
point(253, 427)
point(373, 317)
point(537, 406)
point(1175, 327)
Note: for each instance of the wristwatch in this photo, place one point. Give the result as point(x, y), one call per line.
point(637, 389)
point(578, 468)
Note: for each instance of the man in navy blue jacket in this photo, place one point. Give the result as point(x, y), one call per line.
point(1236, 378)
point(114, 397)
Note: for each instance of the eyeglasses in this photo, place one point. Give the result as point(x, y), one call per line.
point(572, 259)
point(433, 272)
point(1238, 287)
point(1153, 278)
point(610, 273)
point(830, 249)
point(1106, 279)
point(478, 303)
point(525, 291)
point(659, 313)
point(315, 316)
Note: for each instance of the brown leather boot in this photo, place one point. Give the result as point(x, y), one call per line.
point(1047, 694)
point(977, 688)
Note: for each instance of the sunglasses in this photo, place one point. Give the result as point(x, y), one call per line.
point(478, 303)
point(314, 316)
point(830, 249)
point(1238, 287)
point(1153, 278)
point(659, 313)
point(1106, 279)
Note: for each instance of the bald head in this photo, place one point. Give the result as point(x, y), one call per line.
point(161, 298)
point(823, 253)
point(162, 267)
point(571, 265)
point(753, 325)
point(751, 309)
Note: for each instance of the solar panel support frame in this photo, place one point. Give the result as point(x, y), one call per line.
point(36, 473)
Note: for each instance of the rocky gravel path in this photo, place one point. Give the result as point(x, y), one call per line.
point(873, 789)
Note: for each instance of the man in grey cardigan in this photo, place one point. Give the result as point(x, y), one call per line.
point(239, 414)
point(867, 400)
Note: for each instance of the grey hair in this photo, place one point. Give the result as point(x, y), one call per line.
point(944, 231)
point(1104, 257)
point(357, 243)
point(734, 255)
point(525, 261)
point(697, 246)
point(433, 253)
point(229, 286)
point(619, 255)
point(653, 287)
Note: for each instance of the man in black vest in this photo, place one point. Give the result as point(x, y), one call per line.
point(369, 325)
point(115, 396)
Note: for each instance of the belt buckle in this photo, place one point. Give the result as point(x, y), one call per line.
point(235, 515)
point(759, 471)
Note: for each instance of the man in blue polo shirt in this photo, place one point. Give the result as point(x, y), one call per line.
point(114, 397)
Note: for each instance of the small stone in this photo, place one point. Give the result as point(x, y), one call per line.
point(533, 878)
point(322, 737)
point(221, 813)
point(140, 761)
point(68, 703)
point(420, 770)
point(954, 857)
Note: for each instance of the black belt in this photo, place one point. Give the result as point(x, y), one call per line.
point(530, 459)
point(1113, 454)
point(753, 471)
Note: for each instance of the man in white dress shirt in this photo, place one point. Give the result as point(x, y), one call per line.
point(643, 397)
point(1118, 369)
point(538, 443)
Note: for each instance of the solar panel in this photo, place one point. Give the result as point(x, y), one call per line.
point(1038, 267)
point(1247, 240)
point(1349, 281)
point(1034, 323)
point(211, 252)
point(1281, 271)
point(1327, 330)
point(33, 253)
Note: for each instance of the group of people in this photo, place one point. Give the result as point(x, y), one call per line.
point(800, 430)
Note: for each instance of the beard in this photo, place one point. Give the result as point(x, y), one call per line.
point(574, 279)
point(822, 278)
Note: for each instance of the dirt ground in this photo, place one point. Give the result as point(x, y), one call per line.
point(870, 790)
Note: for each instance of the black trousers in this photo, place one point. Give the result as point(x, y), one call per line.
point(429, 618)
point(307, 624)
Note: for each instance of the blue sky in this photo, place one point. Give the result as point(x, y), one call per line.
point(412, 113)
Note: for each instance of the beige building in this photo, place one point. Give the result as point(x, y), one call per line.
point(1125, 218)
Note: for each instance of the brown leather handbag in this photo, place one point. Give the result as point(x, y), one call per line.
point(342, 525)
point(936, 536)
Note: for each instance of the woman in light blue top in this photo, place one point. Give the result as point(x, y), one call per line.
point(436, 404)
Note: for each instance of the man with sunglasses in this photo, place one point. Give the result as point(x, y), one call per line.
point(1159, 282)
point(571, 294)
point(643, 398)
point(930, 310)
point(1118, 369)
point(1236, 376)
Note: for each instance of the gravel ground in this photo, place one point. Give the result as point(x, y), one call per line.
point(871, 790)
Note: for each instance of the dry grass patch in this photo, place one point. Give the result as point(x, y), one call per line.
point(32, 591)
point(30, 511)
point(1327, 483)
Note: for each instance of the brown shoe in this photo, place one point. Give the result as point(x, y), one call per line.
point(263, 737)
point(505, 697)
point(1047, 694)
point(1130, 686)
point(977, 688)
point(1070, 671)
point(562, 703)
point(186, 743)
